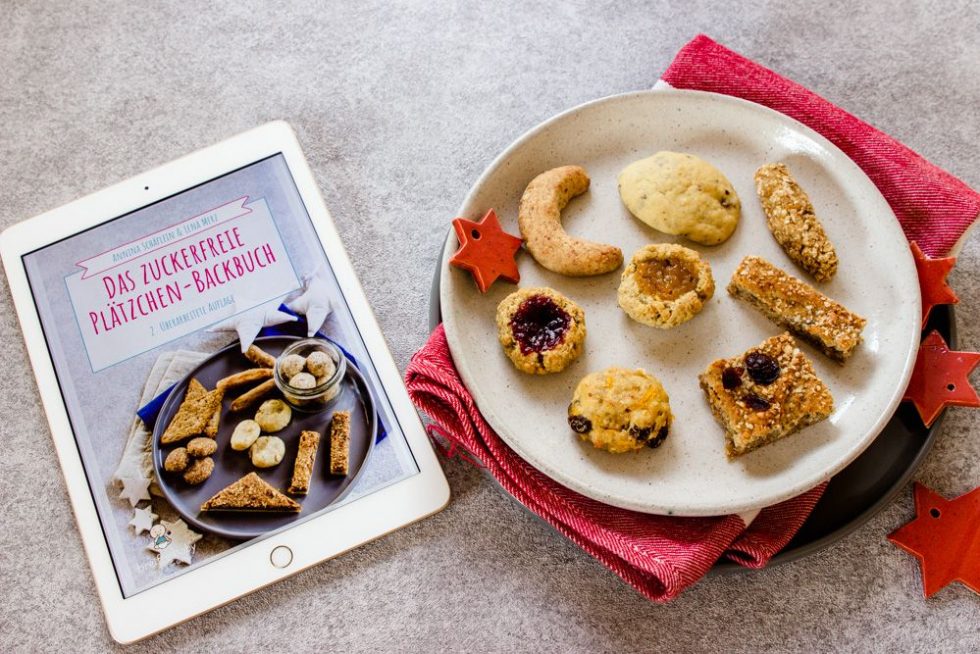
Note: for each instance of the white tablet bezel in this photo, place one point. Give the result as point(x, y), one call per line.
point(242, 571)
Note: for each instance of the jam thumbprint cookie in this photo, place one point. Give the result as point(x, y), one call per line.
point(620, 410)
point(541, 330)
point(665, 285)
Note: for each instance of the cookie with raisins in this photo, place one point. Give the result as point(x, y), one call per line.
point(620, 410)
point(765, 394)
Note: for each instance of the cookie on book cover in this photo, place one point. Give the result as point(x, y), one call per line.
point(250, 493)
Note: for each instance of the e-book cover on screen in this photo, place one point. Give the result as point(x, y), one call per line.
point(216, 383)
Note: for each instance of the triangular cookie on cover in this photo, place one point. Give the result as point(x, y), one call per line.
point(193, 414)
point(250, 493)
point(211, 429)
point(195, 390)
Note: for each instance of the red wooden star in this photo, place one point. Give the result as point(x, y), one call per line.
point(932, 281)
point(486, 250)
point(945, 537)
point(940, 378)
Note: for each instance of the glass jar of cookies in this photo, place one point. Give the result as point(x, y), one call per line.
point(309, 373)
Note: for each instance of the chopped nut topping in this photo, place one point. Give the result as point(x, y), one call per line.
point(797, 306)
point(794, 223)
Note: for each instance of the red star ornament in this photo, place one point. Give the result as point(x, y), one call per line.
point(486, 250)
point(940, 378)
point(932, 281)
point(945, 537)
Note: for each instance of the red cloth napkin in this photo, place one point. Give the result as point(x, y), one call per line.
point(934, 208)
point(660, 556)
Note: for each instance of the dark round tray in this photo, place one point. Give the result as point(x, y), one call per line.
point(231, 465)
point(863, 488)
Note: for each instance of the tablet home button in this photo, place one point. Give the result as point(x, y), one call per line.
point(281, 556)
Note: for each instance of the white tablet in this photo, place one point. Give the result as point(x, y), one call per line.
point(134, 301)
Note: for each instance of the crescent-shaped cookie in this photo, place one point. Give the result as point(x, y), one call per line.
point(539, 219)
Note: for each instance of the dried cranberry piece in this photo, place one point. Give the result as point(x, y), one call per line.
point(641, 434)
point(657, 440)
point(731, 378)
point(753, 401)
point(539, 324)
point(762, 368)
point(580, 424)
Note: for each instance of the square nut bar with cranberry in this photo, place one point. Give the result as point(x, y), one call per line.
point(798, 307)
point(764, 395)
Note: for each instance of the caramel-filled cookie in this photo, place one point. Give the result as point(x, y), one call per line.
point(665, 285)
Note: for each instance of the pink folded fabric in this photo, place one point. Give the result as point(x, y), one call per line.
point(660, 556)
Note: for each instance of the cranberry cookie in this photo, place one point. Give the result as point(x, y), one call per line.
point(620, 410)
point(541, 330)
point(665, 285)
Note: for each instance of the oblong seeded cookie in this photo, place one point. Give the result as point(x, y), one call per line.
point(794, 223)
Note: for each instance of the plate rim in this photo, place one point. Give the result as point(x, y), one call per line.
point(809, 481)
point(157, 456)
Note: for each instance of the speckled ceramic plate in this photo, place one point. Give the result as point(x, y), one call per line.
point(689, 474)
point(231, 465)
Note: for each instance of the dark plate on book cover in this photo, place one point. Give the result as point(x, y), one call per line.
point(231, 465)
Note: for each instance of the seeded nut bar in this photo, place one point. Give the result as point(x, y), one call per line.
point(764, 395)
point(794, 223)
point(309, 441)
point(798, 307)
point(340, 443)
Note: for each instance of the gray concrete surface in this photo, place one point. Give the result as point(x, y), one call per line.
point(399, 108)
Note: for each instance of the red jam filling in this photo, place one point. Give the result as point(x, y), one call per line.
point(539, 324)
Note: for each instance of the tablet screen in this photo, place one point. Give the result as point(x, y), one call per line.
point(143, 316)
